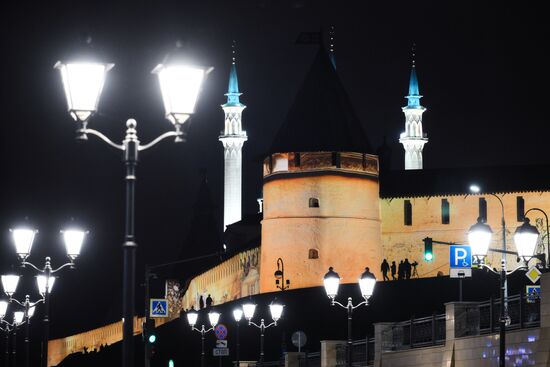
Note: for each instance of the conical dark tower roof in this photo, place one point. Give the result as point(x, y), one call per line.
point(321, 117)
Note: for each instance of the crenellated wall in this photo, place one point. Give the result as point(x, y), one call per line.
point(234, 278)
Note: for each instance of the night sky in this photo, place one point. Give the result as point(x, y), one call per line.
point(481, 68)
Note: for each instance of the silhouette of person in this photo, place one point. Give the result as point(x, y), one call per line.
point(415, 272)
point(407, 269)
point(201, 302)
point(393, 270)
point(208, 301)
point(384, 268)
point(400, 271)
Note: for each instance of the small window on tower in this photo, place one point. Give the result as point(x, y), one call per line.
point(520, 205)
point(313, 253)
point(445, 211)
point(313, 202)
point(407, 208)
point(483, 209)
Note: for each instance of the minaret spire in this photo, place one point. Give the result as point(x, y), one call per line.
point(331, 35)
point(413, 139)
point(233, 138)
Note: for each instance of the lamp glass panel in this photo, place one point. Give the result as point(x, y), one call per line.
point(192, 318)
point(180, 87)
point(23, 239)
point(214, 317)
point(32, 309)
point(276, 310)
point(249, 309)
point(479, 241)
point(42, 281)
point(18, 317)
point(238, 314)
point(83, 83)
point(526, 242)
point(331, 286)
point(3, 308)
point(367, 285)
point(73, 239)
point(9, 282)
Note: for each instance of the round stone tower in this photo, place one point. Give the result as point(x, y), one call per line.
point(321, 192)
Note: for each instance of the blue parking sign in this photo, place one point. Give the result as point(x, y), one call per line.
point(460, 256)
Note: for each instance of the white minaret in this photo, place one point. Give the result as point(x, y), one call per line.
point(232, 138)
point(413, 139)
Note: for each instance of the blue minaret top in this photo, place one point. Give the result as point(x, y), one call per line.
point(414, 93)
point(233, 88)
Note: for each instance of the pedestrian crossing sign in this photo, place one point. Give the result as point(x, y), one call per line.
point(158, 307)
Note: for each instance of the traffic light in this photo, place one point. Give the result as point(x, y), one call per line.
point(149, 337)
point(428, 249)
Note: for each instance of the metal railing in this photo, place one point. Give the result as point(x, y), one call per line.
point(362, 353)
point(310, 360)
point(415, 333)
point(522, 313)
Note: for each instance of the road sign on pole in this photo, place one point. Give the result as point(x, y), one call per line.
point(460, 261)
point(221, 331)
point(220, 352)
point(158, 307)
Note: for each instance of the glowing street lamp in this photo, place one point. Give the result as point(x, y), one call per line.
point(23, 239)
point(213, 318)
point(276, 311)
point(238, 315)
point(526, 238)
point(180, 85)
point(367, 283)
point(9, 283)
point(479, 237)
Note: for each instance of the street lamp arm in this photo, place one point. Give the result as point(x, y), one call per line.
point(176, 134)
point(250, 322)
point(485, 266)
point(22, 304)
point(274, 323)
point(71, 264)
point(547, 227)
point(501, 204)
point(25, 263)
point(104, 138)
point(365, 302)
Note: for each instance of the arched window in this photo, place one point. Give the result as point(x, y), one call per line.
point(313, 202)
point(313, 253)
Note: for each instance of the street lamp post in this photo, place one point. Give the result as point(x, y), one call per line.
point(213, 317)
point(23, 239)
point(525, 238)
point(276, 310)
point(180, 85)
point(6, 329)
point(238, 315)
point(547, 259)
point(280, 276)
point(367, 282)
point(29, 308)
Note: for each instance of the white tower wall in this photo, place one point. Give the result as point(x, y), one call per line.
point(413, 139)
point(233, 139)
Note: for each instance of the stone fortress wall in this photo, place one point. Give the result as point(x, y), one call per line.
point(400, 241)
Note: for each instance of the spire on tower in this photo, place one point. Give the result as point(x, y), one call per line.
point(331, 46)
point(233, 87)
point(414, 93)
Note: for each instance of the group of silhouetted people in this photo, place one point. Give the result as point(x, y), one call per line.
point(404, 270)
point(203, 303)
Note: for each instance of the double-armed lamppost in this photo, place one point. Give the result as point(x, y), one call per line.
point(213, 317)
point(238, 315)
point(9, 283)
point(280, 276)
point(525, 238)
point(276, 310)
point(367, 282)
point(83, 79)
point(18, 320)
point(23, 239)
